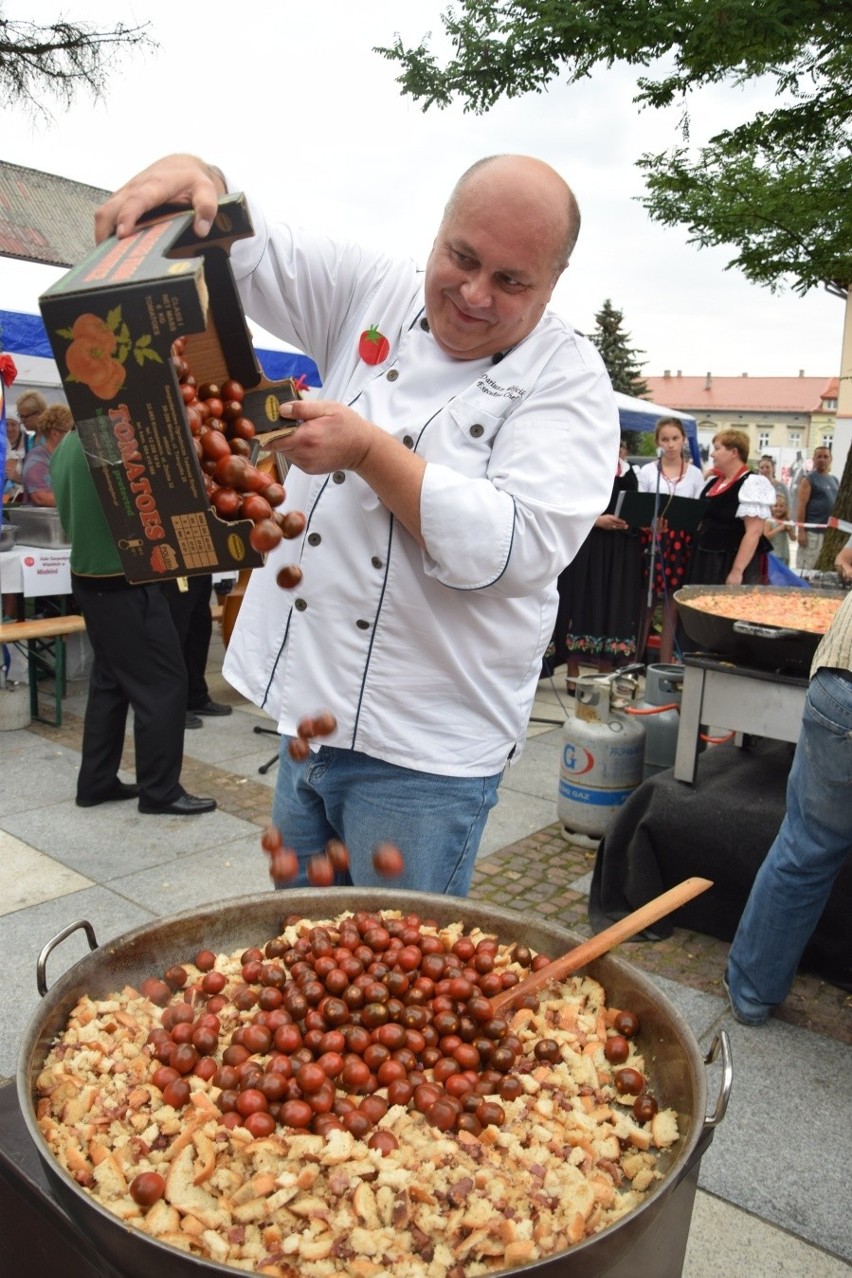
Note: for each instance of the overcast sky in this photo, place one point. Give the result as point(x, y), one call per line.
point(291, 102)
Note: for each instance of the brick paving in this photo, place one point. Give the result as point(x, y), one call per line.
point(535, 876)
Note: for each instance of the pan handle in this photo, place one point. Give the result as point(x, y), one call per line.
point(41, 964)
point(766, 632)
point(723, 1043)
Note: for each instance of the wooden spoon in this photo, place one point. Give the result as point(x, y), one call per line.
point(582, 954)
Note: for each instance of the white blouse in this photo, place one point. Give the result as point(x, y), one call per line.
point(688, 484)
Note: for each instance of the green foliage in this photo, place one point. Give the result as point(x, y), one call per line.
point(625, 371)
point(54, 61)
point(776, 187)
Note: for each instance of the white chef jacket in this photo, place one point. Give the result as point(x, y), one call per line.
point(427, 658)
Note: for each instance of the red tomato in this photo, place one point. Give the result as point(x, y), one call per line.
point(373, 347)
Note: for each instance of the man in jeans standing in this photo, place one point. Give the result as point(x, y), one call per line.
point(795, 880)
point(815, 498)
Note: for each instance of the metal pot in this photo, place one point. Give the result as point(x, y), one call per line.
point(652, 1238)
point(770, 647)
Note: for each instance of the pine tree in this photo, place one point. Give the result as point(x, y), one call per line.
point(613, 342)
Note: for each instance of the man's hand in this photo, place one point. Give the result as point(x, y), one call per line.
point(843, 564)
point(335, 437)
point(331, 436)
point(176, 179)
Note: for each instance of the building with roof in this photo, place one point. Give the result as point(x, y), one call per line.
point(786, 417)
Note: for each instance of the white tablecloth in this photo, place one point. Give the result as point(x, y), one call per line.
point(35, 570)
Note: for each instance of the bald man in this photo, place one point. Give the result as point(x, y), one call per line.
point(465, 443)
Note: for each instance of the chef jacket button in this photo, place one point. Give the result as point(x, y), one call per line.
point(300, 605)
point(362, 625)
point(477, 431)
point(376, 562)
point(393, 374)
point(314, 539)
point(424, 324)
point(408, 441)
point(339, 476)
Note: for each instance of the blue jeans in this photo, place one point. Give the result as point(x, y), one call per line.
point(435, 821)
point(796, 878)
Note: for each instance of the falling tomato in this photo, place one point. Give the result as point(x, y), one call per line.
point(373, 347)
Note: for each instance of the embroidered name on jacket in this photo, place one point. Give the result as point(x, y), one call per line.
point(488, 386)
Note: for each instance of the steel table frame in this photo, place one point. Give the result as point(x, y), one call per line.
point(762, 703)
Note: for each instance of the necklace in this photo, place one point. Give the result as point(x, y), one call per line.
point(673, 483)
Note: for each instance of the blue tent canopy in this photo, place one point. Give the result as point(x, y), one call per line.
point(642, 414)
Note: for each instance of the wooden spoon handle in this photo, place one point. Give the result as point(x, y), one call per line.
point(582, 954)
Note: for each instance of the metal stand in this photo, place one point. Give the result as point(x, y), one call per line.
point(267, 732)
point(654, 534)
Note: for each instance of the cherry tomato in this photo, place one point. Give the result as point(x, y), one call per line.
point(232, 389)
point(147, 1188)
point(227, 503)
point(629, 1081)
point(644, 1108)
point(265, 536)
point(320, 871)
point(627, 1023)
point(176, 1093)
point(289, 576)
point(283, 865)
point(156, 990)
point(271, 839)
point(256, 508)
point(616, 1049)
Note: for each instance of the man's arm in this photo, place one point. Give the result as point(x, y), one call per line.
point(41, 497)
point(334, 437)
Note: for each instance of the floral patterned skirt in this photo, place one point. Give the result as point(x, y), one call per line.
point(600, 597)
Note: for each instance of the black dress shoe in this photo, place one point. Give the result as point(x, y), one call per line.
point(184, 805)
point(119, 790)
point(212, 708)
point(192, 720)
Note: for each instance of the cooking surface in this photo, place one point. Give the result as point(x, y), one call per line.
point(737, 669)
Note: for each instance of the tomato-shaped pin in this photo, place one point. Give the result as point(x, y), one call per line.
point(373, 347)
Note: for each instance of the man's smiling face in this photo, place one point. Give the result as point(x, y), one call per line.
point(494, 263)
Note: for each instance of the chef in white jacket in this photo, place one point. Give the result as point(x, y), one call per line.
point(464, 445)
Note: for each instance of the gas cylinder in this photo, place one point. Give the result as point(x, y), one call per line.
point(602, 753)
point(663, 688)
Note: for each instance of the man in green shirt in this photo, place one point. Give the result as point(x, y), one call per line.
point(138, 660)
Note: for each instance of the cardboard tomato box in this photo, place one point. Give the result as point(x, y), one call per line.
point(111, 322)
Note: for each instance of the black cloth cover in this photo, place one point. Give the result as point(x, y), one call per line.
point(721, 829)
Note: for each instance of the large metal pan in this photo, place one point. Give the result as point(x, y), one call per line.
point(652, 1238)
point(769, 647)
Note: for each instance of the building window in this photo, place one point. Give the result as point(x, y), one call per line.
point(827, 441)
point(763, 438)
point(829, 405)
point(795, 438)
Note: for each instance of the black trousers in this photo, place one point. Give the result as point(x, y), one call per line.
point(191, 614)
point(138, 662)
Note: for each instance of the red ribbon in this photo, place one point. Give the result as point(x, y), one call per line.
point(8, 370)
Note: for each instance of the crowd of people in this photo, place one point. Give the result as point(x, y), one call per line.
point(626, 574)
